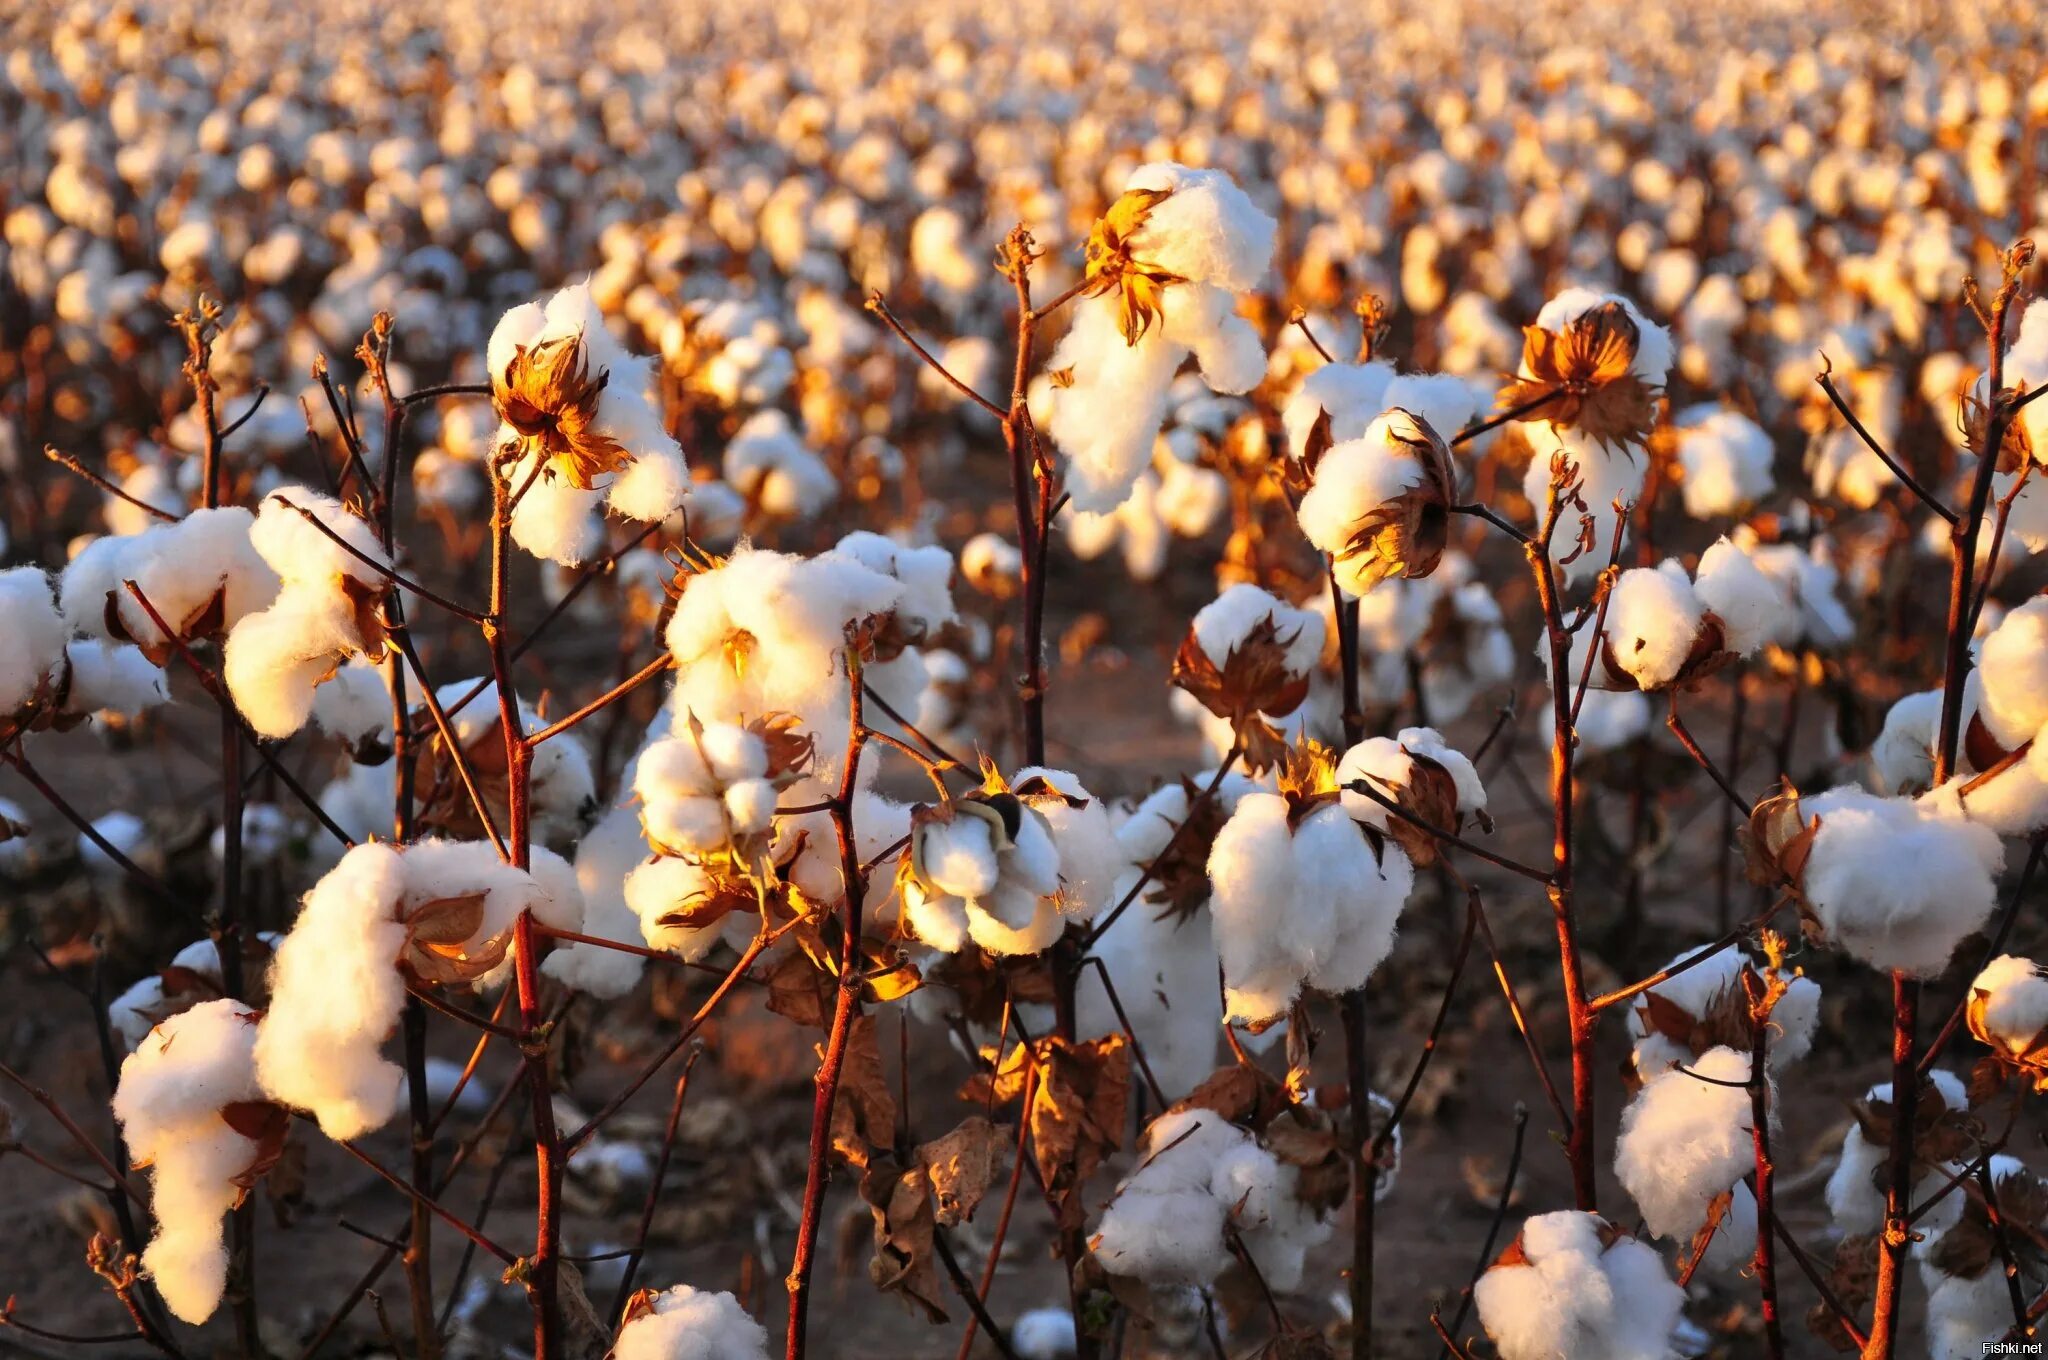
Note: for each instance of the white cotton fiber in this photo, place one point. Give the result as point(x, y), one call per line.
point(692, 1324)
point(1854, 1196)
point(1755, 608)
point(1896, 882)
point(1686, 1139)
point(1727, 459)
point(35, 635)
point(169, 1101)
point(1570, 1296)
point(2009, 1003)
point(1653, 622)
point(2013, 665)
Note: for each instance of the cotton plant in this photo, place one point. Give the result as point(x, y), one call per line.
point(191, 1108)
point(433, 913)
point(1008, 865)
point(1165, 267)
point(1574, 1284)
point(1592, 371)
point(1200, 1182)
point(2008, 1012)
point(328, 609)
point(1303, 894)
point(577, 433)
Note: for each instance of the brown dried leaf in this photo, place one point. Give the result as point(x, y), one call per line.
point(962, 1165)
point(905, 1224)
point(863, 1109)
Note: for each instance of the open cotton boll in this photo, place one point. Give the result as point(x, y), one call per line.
point(1164, 972)
point(651, 489)
point(2012, 664)
point(1352, 394)
point(1854, 1196)
point(277, 657)
point(1090, 857)
point(180, 568)
point(35, 636)
point(1224, 624)
point(765, 633)
point(1727, 460)
point(2009, 1003)
point(769, 465)
point(555, 520)
point(1755, 608)
point(660, 885)
point(1206, 228)
point(112, 677)
point(1713, 987)
point(1895, 882)
point(1606, 475)
point(147, 1003)
point(1653, 343)
point(926, 574)
point(302, 555)
point(1685, 1141)
point(1814, 581)
point(1353, 480)
point(1293, 905)
point(700, 790)
point(1166, 1224)
point(682, 1323)
point(172, 1091)
point(1573, 1285)
point(1654, 619)
point(318, 1046)
point(603, 859)
point(1444, 400)
point(354, 704)
point(1969, 1303)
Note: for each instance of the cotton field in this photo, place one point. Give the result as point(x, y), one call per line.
point(710, 681)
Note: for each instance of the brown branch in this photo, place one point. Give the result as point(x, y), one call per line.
point(66, 461)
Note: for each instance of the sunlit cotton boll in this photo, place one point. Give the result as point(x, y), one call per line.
point(1727, 461)
point(683, 1323)
point(1853, 1196)
point(1686, 1139)
point(1573, 1285)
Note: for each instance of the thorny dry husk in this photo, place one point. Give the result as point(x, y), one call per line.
point(1111, 267)
point(1778, 839)
point(1852, 1279)
point(1253, 683)
point(547, 394)
point(1589, 366)
point(1970, 1248)
point(1406, 536)
point(1940, 1135)
point(1429, 794)
point(1180, 875)
point(437, 951)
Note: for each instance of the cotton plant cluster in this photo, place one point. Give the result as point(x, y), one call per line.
point(1200, 1182)
point(432, 913)
point(1666, 628)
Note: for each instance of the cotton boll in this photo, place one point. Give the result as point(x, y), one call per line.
point(169, 1100)
point(1251, 869)
point(652, 487)
point(1755, 608)
point(2009, 1004)
point(1654, 620)
point(691, 1324)
point(1813, 581)
point(555, 520)
point(1853, 1196)
point(126, 833)
point(1573, 1294)
point(658, 886)
point(1088, 854)
point(179, 568)
point(1353, 480)
point(1444, 400)
point(317, 1047)
point(769, 465)
point(1686, 1140)
point(1653, 343)
point(1224, 624)
point(302, 555)
point(1903, 754)
point(276, 657)
point(2013, 666)
point(1205, 229)
point(1606, 476)
point(603, 859)
point(926, 574)
point(1164, 972)
point(1898, 883)
point(112, 678)
point(1711, 987)
point(1043, 1334)
point(1352, 395)
point(1727, 461)
point(35, 634)
point(354, 704)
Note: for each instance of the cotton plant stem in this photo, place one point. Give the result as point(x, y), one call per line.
point(1579, 1141)
point(1763, 1261)
point(845, 1008)
point(1964, 532)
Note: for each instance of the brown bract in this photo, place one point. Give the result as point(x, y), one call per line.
point(2030, 1060)
point(437, 948)
point(1406, 536)
point(547, 394)
point(1778, 838)
point(1589, 367)
point(1852, 1280)
point(1430, 795)
point(1079, 1098)
point(1724, 1022)
point(1940, 1134)
point(2015, 451)
point(1970, 1248)
point(1112, 269)
point(1180, 875)
point(1253, 683)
